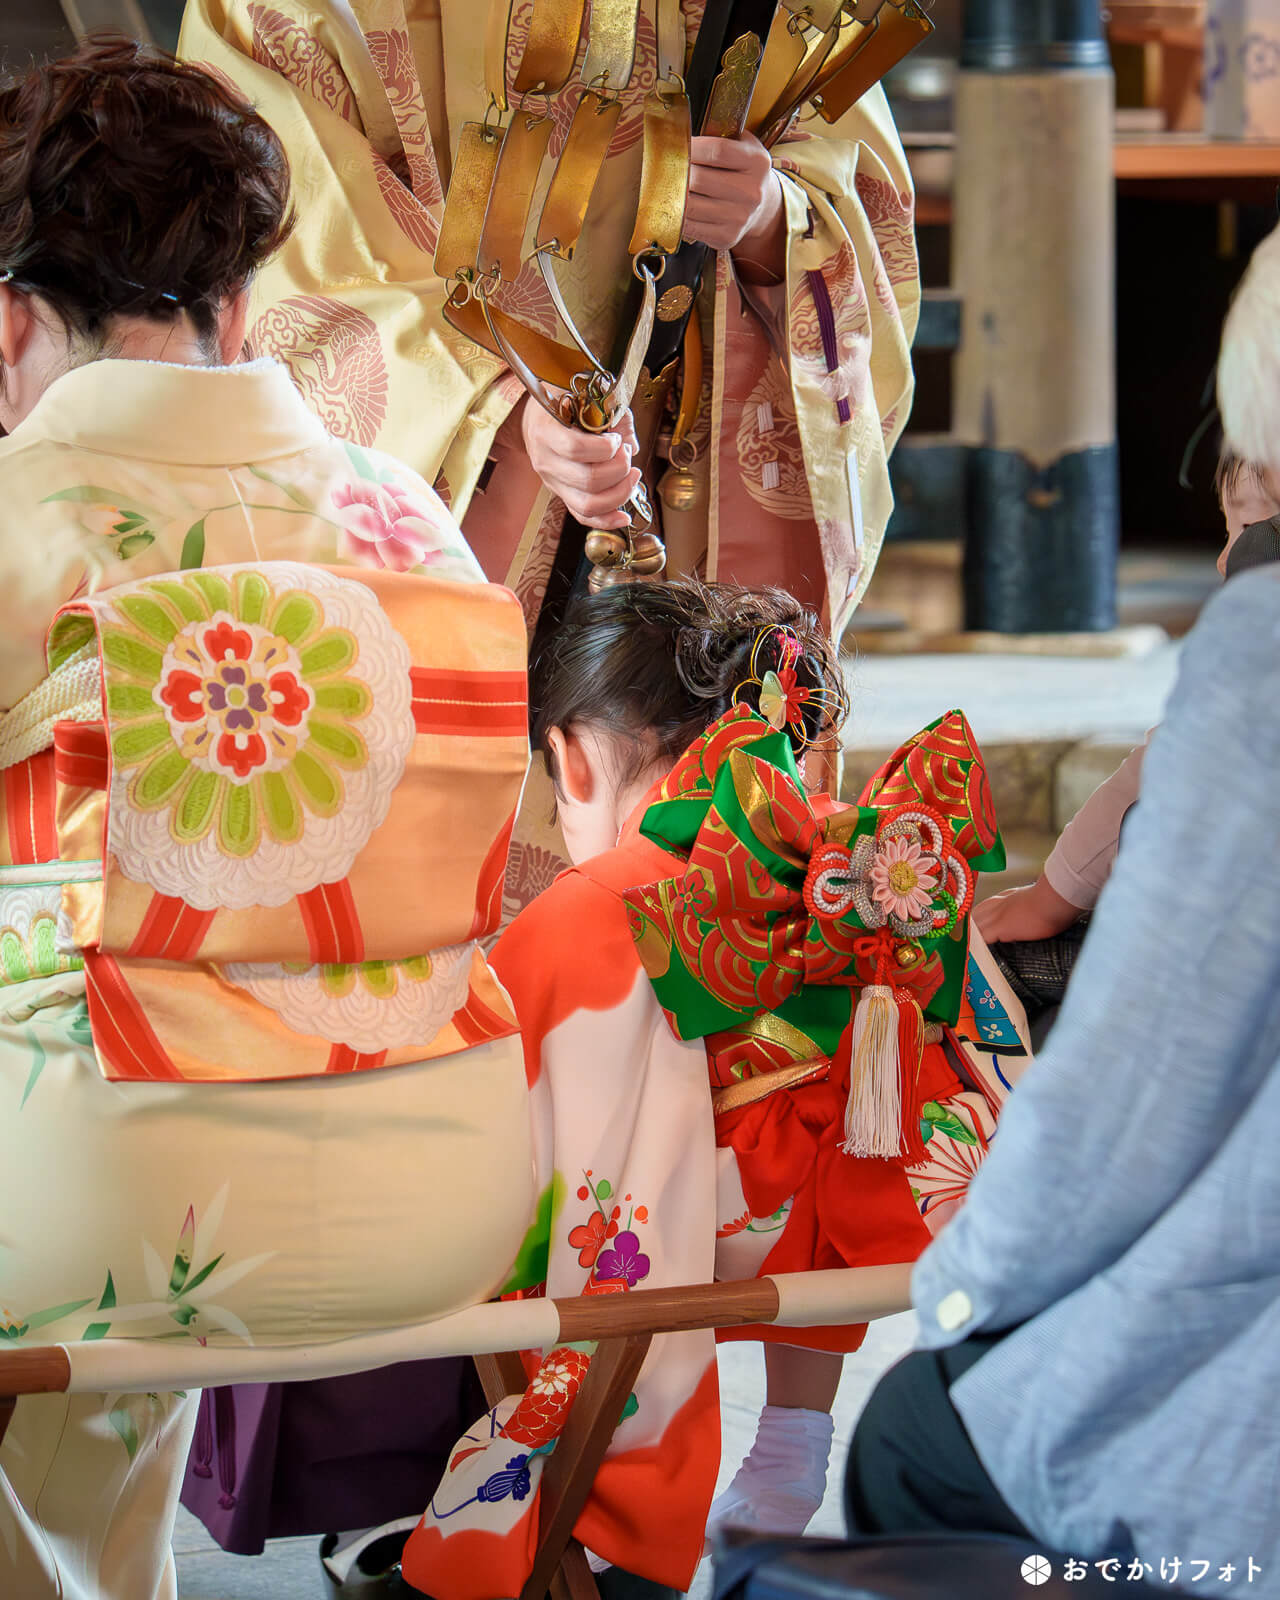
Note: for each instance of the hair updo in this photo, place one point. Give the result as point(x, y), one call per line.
point(662, 661)
point(133, 184)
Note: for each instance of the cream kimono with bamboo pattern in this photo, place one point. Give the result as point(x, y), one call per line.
point(805, 389)
point(293, 1199)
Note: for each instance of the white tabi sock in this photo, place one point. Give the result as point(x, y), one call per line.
point(780, 1485)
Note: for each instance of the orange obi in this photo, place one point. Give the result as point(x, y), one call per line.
point(300, 791)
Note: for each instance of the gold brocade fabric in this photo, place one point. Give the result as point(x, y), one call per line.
point(369, 100)
point(371, 733)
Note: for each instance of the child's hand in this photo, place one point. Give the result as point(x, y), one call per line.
point(1035, 911)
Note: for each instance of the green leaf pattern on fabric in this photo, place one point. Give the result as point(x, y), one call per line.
point(530, 1267)
point(177, 1293)
point(936, 1119)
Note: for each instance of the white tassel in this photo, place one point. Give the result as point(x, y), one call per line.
point(873, 1116)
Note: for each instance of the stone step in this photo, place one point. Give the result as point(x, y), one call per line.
point(1050, 729)
point(916, 598)
point(1035, 784)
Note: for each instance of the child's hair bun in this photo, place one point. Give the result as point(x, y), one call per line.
point(665, 660)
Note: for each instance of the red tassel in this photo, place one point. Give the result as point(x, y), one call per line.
point(910, 1056)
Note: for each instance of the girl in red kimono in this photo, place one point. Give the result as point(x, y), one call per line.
point(757, 1040)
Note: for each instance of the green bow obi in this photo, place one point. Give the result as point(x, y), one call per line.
point(782, 914)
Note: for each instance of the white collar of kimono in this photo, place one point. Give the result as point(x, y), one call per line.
point(189, 416)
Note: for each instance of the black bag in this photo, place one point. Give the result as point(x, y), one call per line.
point(918, 1566)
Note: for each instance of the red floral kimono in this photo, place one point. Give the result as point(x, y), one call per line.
point(687, 1003)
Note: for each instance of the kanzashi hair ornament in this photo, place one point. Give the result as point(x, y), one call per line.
point(160, 294)
point(782, 699)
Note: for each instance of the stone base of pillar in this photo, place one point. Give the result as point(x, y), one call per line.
point(1041, 553)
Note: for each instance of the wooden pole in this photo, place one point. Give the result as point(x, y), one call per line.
point(571, 1470)
point(1034, 260)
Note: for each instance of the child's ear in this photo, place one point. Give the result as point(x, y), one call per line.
point(575, 774)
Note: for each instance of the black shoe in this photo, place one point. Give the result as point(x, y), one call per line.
point(615, 1584)
point(374, 1575)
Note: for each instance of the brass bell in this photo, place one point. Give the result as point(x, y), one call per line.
point(648, 554)
point(609, 578)
point(679, 490)
point(909, 956)
point(605, 549)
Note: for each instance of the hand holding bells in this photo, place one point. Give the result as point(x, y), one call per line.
point(819, 51)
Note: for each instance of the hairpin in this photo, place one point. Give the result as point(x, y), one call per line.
point(159, 293)
point(782, 698)
point(6, 277)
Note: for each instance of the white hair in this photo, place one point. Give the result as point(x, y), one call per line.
point(1249, 364)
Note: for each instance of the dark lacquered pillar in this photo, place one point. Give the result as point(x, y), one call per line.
point(1034, 261)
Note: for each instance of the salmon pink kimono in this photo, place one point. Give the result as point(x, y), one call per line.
point(670, 1152)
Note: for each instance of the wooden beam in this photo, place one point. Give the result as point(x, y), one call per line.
point(1182, 156)
point(853, 1294)
point(1182, 166)
point(571, 1469)
point(703, 1305)
point(43, 1369)
point(501, 1375)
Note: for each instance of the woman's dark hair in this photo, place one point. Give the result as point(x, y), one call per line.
point(133, 184)
point(664, 660)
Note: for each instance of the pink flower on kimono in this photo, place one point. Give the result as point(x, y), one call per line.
point(589, 1239)
point(625, 1261)
point(903, 878)
point(386, 526)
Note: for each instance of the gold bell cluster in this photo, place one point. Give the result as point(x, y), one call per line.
point(625, 557)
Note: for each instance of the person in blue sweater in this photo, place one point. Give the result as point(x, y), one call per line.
point(1098, 1326)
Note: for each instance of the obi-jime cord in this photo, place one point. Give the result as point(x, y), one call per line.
point(812, 964)
point(556, 271)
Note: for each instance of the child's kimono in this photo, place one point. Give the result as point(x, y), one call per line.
point(647, 1179)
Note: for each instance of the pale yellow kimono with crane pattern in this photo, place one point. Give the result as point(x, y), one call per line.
point(800, 405)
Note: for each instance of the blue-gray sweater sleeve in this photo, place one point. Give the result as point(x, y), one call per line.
point(1141, 1081)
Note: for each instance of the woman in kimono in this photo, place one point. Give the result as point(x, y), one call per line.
point(229, 722)
point(757, 1040)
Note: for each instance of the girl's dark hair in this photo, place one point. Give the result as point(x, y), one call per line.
point(663, 660)
point(134, 184)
